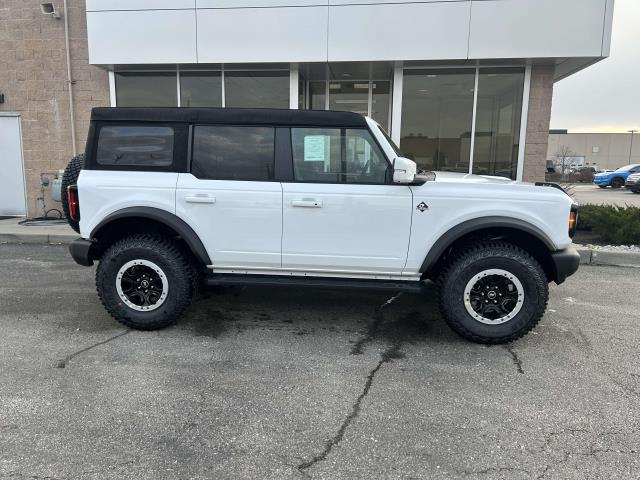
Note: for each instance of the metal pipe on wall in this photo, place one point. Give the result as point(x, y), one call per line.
point(69, 79)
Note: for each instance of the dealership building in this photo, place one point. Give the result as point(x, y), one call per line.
point(460, 85)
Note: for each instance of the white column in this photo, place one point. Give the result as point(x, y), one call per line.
point(396, 103)
point(178, 85)
point(112, 88)
point(224, 93)
point(294, 85)
point(524, 120)
point(473, 119)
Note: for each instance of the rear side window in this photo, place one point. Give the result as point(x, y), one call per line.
point(233, 153)
point(135, 146)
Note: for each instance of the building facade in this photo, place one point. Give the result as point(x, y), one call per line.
point(602, 150)
point(460, 85)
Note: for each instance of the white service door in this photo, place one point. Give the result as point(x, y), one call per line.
point(239, 222)
point(12, 191)
point(350, 228)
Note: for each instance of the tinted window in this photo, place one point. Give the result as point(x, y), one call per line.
point(256, 89)
point(200, 89)
point(233, 153)
point(135, 146)
point(146, 89)
point(327, 155)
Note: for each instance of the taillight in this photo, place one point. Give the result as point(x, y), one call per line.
point(573, 220)
point(72, 198)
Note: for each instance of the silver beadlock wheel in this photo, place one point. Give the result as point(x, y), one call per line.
point(493, 296)
point(142, 285)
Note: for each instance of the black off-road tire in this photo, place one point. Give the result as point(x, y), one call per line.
point(172, 260)
point(70, 177)
point(476, 259)
point(617, 182)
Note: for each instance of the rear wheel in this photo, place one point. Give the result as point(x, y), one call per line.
point(617, 182)
point(493, 293)
point(602, 186)
point(145, 281)
point(70, 177)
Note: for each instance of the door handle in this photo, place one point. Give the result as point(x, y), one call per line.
point(199, 199)
point(306, 203)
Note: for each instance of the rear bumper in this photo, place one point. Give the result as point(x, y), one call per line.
point(566, 263)
point(80, 250)
point(602, 181)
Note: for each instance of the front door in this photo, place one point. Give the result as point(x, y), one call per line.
point(230, 197)
point(340, 214)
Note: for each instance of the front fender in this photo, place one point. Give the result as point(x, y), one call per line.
point(477, 224)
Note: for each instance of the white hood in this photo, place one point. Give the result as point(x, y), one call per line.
point(470, 178)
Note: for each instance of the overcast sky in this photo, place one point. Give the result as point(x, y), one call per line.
point(606, 96)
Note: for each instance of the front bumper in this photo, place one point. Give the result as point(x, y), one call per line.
point(80, 250)
point(566, 263)
point(602, 181)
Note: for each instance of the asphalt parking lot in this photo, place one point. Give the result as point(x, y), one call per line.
point(589, 194)
point(270, 384)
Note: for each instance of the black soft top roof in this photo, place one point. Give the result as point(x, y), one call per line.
point(235, 116)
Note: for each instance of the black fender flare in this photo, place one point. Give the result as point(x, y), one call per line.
point(477, 224)
point(162, 216)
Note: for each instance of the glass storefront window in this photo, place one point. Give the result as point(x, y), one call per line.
point(359, 87)
point(437, 114)
point(146, 89)
point(498, 122)
point(380, 102)
point(349, 97)
point(256, 89)
point(317, 96)
point(200, 89)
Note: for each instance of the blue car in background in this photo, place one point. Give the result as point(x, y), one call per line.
point(617, 178)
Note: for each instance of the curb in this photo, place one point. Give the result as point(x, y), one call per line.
point(37, 238)
point(608, 258)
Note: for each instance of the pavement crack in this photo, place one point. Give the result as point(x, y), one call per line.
point(62, 363)
point(490, 470)
point(387, 356)
point(358, 347)
point(516, 359)
point(391, 353)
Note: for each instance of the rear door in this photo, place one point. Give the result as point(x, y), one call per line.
point(230, 197)
point(341, 214)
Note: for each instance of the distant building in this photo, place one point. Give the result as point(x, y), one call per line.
point(606, 150)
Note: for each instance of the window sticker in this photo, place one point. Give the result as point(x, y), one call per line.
point(314, 148)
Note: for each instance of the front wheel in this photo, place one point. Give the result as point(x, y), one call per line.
point(493, 293)
point(617, 182)
point(145, 281)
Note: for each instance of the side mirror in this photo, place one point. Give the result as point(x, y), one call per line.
point(404, 170)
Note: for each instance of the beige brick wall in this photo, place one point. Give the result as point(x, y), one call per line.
point(535, 153)
point(33, 78)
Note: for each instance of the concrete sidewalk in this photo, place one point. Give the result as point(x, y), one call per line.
point(12, 232)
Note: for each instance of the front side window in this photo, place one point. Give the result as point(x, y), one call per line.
point(135, 146)
point(233, 153)
point(337, 155)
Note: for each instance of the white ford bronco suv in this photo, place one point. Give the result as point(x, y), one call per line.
point(168, 198)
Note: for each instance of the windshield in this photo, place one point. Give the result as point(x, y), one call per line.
point(627, 168)
point(397, 151)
